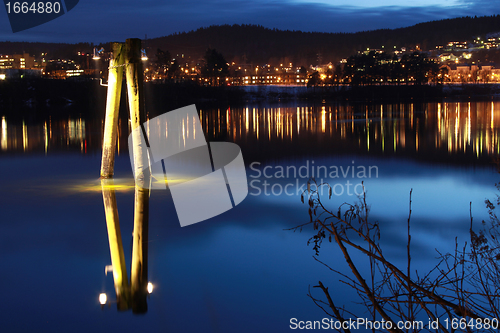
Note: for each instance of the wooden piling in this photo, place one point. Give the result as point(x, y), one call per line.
point(134, 294)
point(115, 78)
point(120, 277)
point(134, 75)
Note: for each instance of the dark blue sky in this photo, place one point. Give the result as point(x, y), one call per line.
point(103, 21)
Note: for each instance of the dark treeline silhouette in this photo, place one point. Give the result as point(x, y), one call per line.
point(259, 45)
point(53, 50)
point(382, 68)
point(215, 67)
point(166, 67)
point(486, 56)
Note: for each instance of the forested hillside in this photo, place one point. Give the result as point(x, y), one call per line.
point(254, 44)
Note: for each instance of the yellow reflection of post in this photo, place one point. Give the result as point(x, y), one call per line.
point(139, 269)
point(134, 75)
point(115, 78)
point(120, 277)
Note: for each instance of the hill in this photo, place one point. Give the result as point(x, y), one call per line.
point(259, 45)
point(55, 50)
point(254, 44)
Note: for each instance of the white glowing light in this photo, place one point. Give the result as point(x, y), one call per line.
point(150, 287)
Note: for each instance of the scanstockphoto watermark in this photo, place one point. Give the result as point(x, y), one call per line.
point(292, 180)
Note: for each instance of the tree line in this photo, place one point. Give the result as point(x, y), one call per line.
point(381, 68)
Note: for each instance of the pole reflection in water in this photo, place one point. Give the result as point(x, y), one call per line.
point(115, 245)
point(427, 130)
point(139, 276)
point(134, 294)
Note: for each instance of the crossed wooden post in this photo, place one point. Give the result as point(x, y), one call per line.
point(126, 56)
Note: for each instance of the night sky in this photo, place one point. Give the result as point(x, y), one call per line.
point(104, 21)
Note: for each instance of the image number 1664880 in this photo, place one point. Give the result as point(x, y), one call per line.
point(33, 7)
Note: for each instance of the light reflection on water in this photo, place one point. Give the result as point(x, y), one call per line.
point(456, 127)
point(460, 129)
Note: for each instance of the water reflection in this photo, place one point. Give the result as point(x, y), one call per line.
point(3, 143)
point(427, 130)
point(432, 130)
point(119, 268)
point(131, 294)
point(48, 136)
point(262, 256)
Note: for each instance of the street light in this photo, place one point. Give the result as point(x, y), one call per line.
point(144, 57)
point(97, 53)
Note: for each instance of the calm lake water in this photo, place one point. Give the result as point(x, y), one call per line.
point(240, 271)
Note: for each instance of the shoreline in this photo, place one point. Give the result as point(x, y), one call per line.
point(42, 95)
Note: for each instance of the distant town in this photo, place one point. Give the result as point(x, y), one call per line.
point(450, 63)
